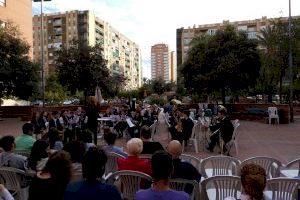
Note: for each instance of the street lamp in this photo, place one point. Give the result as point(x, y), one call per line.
point(290, 64)
point(42, 53)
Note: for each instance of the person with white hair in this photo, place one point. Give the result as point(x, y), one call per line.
point(133, 162)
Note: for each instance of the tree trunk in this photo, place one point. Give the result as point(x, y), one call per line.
point(280, 88)
point(223, 95)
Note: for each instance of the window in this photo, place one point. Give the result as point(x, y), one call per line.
point(2, 2)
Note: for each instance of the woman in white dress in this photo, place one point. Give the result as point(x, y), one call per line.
point(161, 133)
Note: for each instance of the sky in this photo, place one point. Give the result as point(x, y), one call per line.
point(148, 22)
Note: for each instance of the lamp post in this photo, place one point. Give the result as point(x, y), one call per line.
point(290, 65)
point(42, 48)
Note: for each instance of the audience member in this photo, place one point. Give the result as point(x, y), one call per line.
point(133, 162)
point(76, 149)
point(51, 182)
point(4, 193)
point(38, 155)
point(182, 169)
point(25, 141)
point(110, 139)
point(149, 147)
point(87, 138)
point(91, 188)
point(8, 158)
point(162, 167)
point(54, 139)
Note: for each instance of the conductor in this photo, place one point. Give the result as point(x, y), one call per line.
point(223, 128)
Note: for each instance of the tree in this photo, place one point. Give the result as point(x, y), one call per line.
point(18, 74)
point(54, 91)
point(82, 68)
point(226, 61)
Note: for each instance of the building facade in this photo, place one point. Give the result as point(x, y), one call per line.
point(19, 13)
point(173, 67)
point(185, 35)
point(160, 62)
point(62, 29)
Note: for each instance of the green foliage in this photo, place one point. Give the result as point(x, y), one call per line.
point(18, 75)
point(55, 93)
point(82, 68)
point(226, 61)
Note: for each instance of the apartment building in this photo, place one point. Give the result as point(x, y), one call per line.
point(185, 35)
point(62, 29)
point(173, 67)
point(160, 62)
point(19, 13)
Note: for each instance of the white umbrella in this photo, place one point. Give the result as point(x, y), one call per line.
point(98, 95)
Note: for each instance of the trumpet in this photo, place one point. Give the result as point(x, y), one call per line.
point(215, 132)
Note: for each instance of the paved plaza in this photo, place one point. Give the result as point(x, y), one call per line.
point(254, 139)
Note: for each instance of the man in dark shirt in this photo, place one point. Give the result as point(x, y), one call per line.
point(224, 127)
point(182, 169)
point(149, 147)
point(93, 167)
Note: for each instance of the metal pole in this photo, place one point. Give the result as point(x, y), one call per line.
point(290, 65)
point(42, 53)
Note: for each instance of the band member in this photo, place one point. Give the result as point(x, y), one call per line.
point(223, 128)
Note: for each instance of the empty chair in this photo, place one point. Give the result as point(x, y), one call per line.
point(12, 179)
point(273, 114)
point(153, 128)
point(191, 159)
point(219, 165)
point(220, 187)
point(282, 188)
point(111, 164)
point(271, 165)
point(233, 141)
point(189, 186)
point(22, 152)
point(194, 137)
point(130, 182)
point(292, 169)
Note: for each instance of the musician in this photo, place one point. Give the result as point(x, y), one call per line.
point(223, 127)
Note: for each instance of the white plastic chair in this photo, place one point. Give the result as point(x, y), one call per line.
point(180, 184)
point(220, 187)
point(191, 159)
point(271, 165)
point(12, 179)
point(129, 181)
point(112, 164)
point(233, 141)
point(153, 128)
point(219, 165)
point(194, 137)
point(282, 188)
point(273, 114)
point(23, 153)
point(292, 169)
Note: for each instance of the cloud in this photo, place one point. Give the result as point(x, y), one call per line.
point(148, 22)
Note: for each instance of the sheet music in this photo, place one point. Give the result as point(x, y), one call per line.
point(129, 122)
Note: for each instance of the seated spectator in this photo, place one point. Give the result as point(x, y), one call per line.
point(4, 193)
point(91, 188)
point(51, 182)
point(162, 167)
point(54, 139)
point(149, 147)
point(25, 141)
point(253, 178)
point(110, 139)
point(182, 169)
point(38, 155)
point(76, 149)
point(87, 138)
point(133, 162)
point(8, 158)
